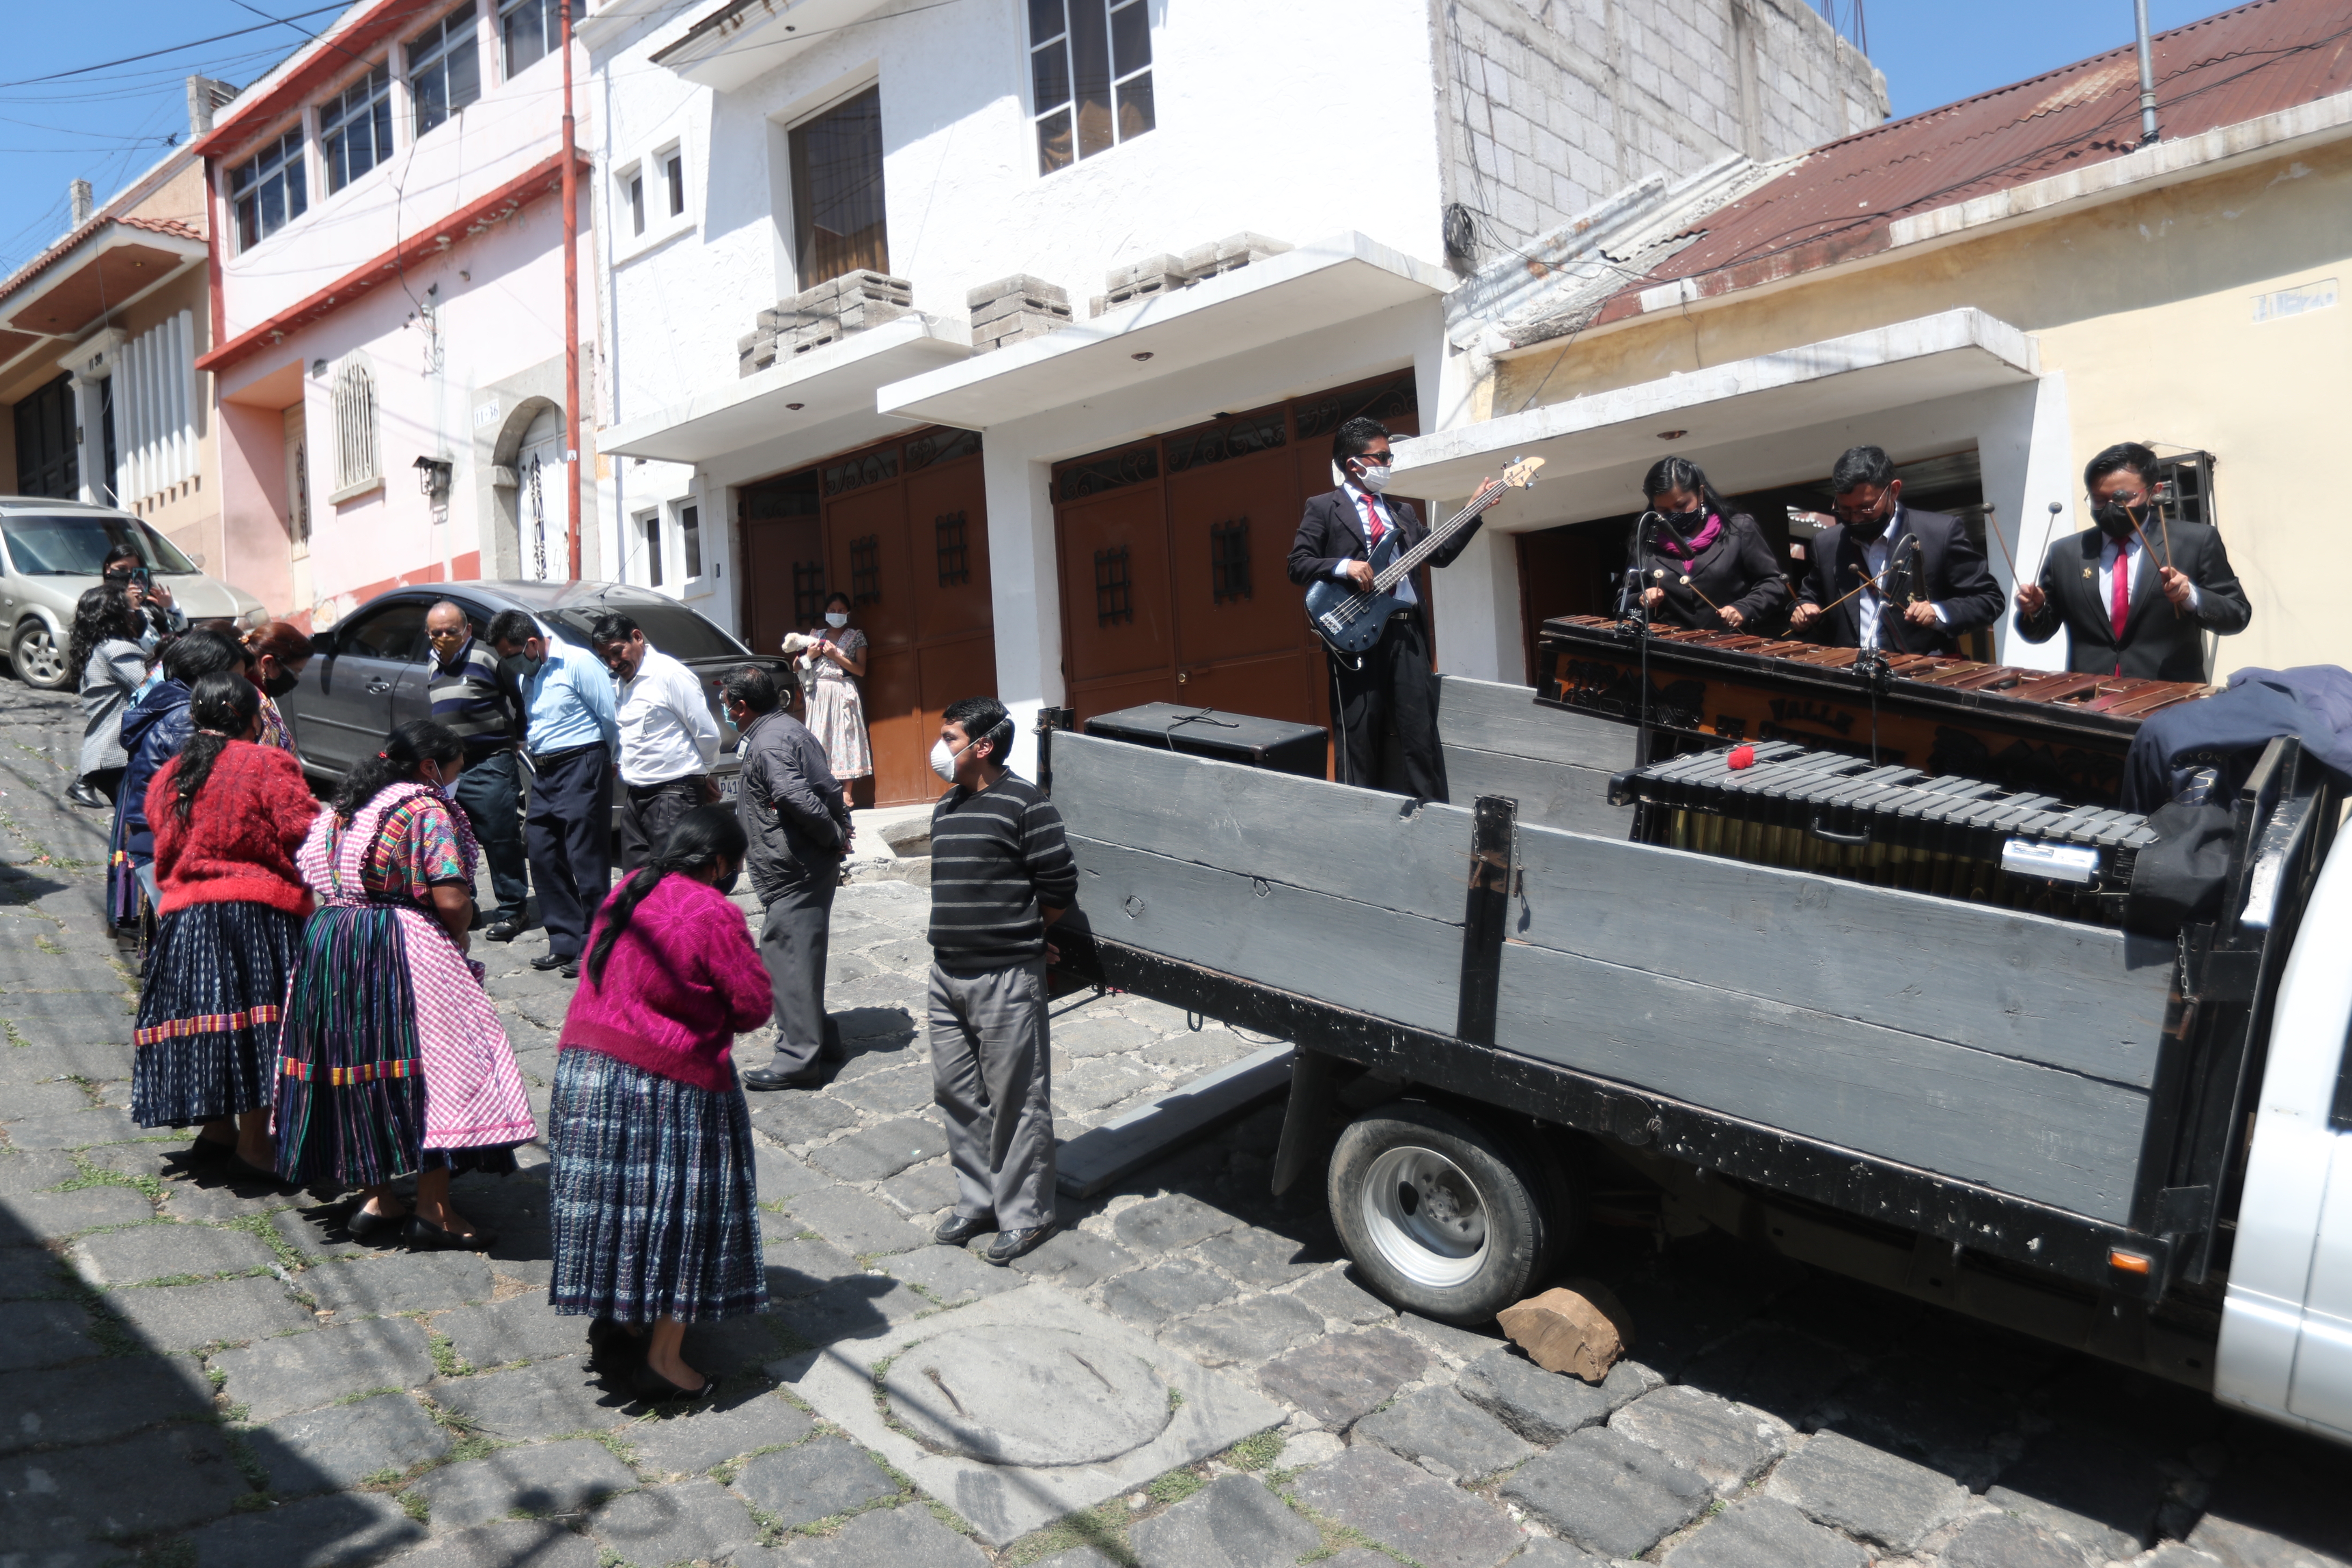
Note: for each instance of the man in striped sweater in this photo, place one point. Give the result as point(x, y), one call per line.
point(1001, 876)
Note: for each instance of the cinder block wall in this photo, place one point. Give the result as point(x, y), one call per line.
point(1556, 104)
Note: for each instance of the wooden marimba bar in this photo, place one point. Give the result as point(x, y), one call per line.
point(2059, 733)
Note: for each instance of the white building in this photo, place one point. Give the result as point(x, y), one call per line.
point(1112, 271)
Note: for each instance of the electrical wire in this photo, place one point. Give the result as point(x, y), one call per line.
point(169, 50)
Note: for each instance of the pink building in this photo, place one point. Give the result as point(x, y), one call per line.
point(387, 304)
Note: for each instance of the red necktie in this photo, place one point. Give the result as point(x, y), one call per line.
point(1373, 527)
point(2121, 610)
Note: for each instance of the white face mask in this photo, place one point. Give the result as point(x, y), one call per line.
point(836, 618)
point(1374, 479)
point(944, 761)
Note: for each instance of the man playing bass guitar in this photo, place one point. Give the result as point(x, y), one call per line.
point(1345, 536)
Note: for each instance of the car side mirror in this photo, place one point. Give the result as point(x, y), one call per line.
point(323, 645)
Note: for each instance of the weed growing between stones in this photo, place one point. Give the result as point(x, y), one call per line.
point(446, 1359)
point(1255, 1452)
point(92, 1175)
point(368, 1394)
point(1102, 1527)
point(1175, 1486)
point(290, 1257)
point(417, 1506)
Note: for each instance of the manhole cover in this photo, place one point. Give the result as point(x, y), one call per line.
point(1027, 1396)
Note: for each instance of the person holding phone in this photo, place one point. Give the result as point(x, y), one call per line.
point(831, 668)
point(126, 569)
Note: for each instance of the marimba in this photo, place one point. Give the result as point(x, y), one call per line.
point(2059, 734)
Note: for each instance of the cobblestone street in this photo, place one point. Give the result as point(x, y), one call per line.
point(194, 1373)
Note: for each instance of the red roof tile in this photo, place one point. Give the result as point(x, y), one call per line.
point(2237, 66)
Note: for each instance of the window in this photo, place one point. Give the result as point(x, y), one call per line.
point(1090, 73)
point(808, 592)
point(865, 570)
point(955, 557)
point(669, 626)
point(672, 163)
point(445, 67)
point(689, 536)
point(48, 462)
point(395, 632)
point(269, 190)
point(1114, 602)
point(356, 465)
point(530, 30)
point(156, 401)
point(355, 127)
point(633, 185)
point(649, 525)
point(1229, 560)
point(837, 163)
point(77, 544)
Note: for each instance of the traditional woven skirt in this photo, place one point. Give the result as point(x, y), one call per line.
point(206, 1039)
point(350, 1079)
point(651, 1195)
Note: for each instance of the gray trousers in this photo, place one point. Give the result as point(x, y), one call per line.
point(992, 1079)
point(794, 940)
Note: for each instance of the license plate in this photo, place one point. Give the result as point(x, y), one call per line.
point(730, 786)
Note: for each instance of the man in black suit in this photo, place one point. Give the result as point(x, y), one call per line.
point(2150, 618)
point(1930, 581)
point(1390, 693)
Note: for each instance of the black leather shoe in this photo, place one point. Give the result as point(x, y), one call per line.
point(546, 961)
point(1012, 1244)
point(653, 1386)
point(770, 1077)
point(367, 1227)
point(958, 1229)
point(82, 793)
point(571, 970)
point(502, 931)
point(424, 1236)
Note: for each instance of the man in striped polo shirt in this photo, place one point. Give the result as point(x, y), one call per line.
point(1001, 876)
point(472, 693)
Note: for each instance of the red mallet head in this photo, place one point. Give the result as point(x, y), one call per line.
point(1741, 757)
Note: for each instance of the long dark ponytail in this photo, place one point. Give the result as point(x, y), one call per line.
point(221, 708)
point(701, 838)
point(405, 750)
point(100, 615)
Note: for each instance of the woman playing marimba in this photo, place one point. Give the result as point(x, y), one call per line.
point(1703, 565)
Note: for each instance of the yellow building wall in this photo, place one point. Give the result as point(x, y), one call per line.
point(2146, 306)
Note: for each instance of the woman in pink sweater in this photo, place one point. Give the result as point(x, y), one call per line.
point(652, 1198)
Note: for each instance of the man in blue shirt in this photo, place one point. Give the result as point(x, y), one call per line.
point(571, 735)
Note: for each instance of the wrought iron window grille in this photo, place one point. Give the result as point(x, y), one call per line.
point(1114, 605)
point(1228, 560)
point(865, 570)
point(955, 559)
point(808, 592)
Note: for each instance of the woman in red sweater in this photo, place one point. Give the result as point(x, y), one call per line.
point(227, 816)
point(652, 1197)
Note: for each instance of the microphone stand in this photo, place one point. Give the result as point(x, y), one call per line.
point(1637, 602)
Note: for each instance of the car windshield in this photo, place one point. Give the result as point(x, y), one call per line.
point(75, 544)
point(673, 628)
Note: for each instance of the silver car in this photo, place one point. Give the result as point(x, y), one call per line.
point(53, 551)
point(370, 672)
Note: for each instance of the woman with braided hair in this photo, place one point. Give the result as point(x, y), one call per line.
point(393, 1061)
point(652, 1197)
point(228, 816)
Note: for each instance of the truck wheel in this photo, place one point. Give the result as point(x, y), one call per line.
point(1443, 1218)
point(39, 661)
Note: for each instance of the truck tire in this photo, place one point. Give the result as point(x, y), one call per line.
point(40, 662)
point(1442, 1217)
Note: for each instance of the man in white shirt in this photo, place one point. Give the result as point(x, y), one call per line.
point(668, 739)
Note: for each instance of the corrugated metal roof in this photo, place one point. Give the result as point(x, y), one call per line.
point(2237, 66)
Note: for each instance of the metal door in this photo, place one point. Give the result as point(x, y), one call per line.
point(541, 522)
point(350, 711)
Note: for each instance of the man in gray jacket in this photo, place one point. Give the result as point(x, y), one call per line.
point(798, 824)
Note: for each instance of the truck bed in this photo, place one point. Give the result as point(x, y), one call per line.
point(1978, 1073)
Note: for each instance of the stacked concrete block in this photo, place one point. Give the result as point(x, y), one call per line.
point(1014, 310)
point(1140, 280)
point(815, 317)
point(1224, 255)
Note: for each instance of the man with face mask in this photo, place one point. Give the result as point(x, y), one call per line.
point(1910, 582)
point(474, 693)
point(2126, 612)
point(797, 827)
point(1345, 536)
point(571, 734)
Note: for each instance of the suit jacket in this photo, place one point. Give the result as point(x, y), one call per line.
point(1945, 567)
point(1738, 571)
point(2156, 644)
point(1332, 533)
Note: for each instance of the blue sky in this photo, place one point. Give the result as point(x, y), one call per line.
point(106, 126)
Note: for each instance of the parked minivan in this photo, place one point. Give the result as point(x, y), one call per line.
point(53, 551)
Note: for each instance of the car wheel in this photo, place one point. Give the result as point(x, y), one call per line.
point(1442, 1217)
point(39, 661)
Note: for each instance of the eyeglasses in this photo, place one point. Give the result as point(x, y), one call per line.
point(1857, 513)
point(443, 635)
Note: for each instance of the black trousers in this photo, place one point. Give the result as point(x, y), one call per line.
point(491, 792)
point(795, 940)
point(1387, 714)
point(647, 812)
point(568, 834)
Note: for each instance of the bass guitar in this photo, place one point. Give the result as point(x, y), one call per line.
point(1348, 619)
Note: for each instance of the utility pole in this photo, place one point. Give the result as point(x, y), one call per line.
point(570, 314)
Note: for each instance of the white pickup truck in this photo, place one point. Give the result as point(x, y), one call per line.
point(2137, 1147)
